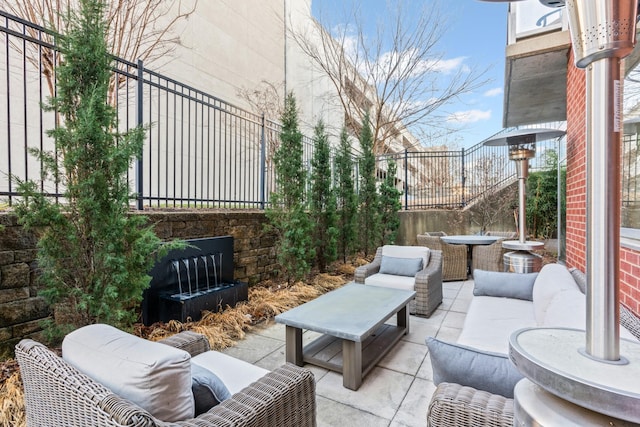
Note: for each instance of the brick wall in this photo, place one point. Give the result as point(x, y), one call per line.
point(576, 167)
point(21, 310)
point(576, 194)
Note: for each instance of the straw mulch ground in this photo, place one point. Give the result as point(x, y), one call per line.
point(222, 329)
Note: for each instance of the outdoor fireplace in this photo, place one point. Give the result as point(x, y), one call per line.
point(187, 281)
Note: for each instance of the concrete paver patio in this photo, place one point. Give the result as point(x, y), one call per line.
point(396, 392)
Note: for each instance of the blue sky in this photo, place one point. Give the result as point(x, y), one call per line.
point(475, 38)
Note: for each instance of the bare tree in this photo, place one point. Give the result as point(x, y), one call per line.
point(496, 199)
point(396, 73)
point(266, 101)
point(137, 29)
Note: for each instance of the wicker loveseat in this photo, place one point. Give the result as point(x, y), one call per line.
point(427, 282)
point(560, 303)
point(57, 394)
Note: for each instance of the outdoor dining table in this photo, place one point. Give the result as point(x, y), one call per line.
point(470, 240)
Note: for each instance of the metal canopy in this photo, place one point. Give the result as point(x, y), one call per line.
point(523, 136)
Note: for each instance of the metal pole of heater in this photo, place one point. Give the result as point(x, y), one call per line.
point(603, 103)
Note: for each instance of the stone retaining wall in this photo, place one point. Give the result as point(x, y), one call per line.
point(22, 310)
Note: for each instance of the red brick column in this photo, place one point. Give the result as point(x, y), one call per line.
point(576, 167)
point(576, 193)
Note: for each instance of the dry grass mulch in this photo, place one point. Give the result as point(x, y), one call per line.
point(222, 329)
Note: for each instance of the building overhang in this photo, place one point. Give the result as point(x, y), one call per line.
point(536, 79)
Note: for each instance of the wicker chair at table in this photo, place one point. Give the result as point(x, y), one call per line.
point(488, 257)
point(508, 235)
point(454, 257)
point(57, 394)
point(427, 285)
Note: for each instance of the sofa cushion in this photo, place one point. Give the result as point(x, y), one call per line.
point(490, 321)
point(467, 366)
point(567, 309)
point(388, 281)
point(505, 285)
point(236, 374)
point(154, 376)
point(400, 266)
point(552, 279)
point(397, 251)
point(208, 389)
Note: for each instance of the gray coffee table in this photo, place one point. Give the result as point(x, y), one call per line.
point(352, 319)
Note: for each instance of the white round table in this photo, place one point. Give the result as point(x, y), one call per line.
point(473, 239)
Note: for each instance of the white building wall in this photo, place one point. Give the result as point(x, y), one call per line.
point(228, 45)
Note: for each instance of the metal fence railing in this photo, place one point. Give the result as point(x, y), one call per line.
point(201, 151)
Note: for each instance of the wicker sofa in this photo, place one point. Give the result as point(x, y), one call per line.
point(57, 394)
point(560, 303)
point(427, 282)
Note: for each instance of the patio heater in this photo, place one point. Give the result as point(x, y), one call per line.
point(579, 377)
point(522, 147)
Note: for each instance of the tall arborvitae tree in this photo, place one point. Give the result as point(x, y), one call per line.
point(347, 201)
point(322, 204)
point(389, 205)
point(92, 255)
point(369, 217)
point(287, 215)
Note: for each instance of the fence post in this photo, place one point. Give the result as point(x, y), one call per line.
point(464, 177)
point(263, 167)
point(139, 119)
point(406, 180)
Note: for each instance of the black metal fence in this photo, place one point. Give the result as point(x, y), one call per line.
point(201, 151)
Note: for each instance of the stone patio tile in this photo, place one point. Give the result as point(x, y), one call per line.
point(332, 413)
point(460, 305)
point(273, 360)
point(426, 371)
point(454, 319)
point(270, 329)
point(413, 410)
point(449, 292)
point(446, 303)
point(405, 357)
point(381, 392)
point(253, 348)
point(447, 333)
point(418, 330)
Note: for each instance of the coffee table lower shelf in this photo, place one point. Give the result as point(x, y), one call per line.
point(330, 352)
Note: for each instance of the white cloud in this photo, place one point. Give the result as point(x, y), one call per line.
point(493, 92)
point(407, 59)
point(469, 116)
point(448, 66)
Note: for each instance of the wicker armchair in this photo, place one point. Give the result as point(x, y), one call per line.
point(435, 233)
point(456, 405)
point(57, 394)
point(454, 257)
point(428, 282)
point(488, 257)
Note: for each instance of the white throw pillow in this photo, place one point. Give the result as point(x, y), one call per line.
point(154, 376)
point(566, 310)
point(552, 279)
point(397, 251)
